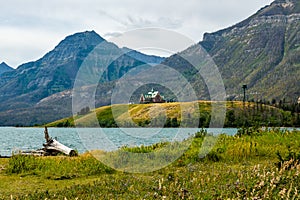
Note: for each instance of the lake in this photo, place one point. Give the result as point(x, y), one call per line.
point(84, 139)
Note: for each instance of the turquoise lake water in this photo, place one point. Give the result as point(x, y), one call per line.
point(84, 139)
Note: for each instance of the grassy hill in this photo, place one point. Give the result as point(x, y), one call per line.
point(238, 114)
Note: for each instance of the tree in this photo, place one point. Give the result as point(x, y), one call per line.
point(174, 122)
point(230, 118)
point(84, 111)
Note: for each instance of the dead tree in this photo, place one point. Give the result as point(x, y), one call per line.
point(52, 147)
point(47, 134)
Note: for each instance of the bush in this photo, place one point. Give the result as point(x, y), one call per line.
point(292, 158)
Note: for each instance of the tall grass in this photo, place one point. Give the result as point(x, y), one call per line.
point(200, 181)
point(56, 168)
point(244, 166)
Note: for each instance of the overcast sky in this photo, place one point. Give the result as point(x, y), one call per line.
point(31, 28)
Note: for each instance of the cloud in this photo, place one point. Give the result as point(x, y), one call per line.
point(112, 34)
point(134, 22)
point(29, 28)
point(153, 40)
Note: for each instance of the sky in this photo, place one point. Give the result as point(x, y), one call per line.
point(31, 28)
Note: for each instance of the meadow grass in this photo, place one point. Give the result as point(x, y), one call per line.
point(255, 164)
point(238, 114)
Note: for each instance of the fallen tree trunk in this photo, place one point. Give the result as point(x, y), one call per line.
point(52, 147)
point(39, 152)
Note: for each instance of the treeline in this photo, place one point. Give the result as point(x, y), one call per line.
point(247, 115)
point(65, 124)
point(238, 115)
point(293, 107)
point(259, 114)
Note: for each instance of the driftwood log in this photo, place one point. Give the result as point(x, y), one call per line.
point(52, 147)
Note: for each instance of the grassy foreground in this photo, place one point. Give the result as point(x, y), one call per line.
point(255, 164)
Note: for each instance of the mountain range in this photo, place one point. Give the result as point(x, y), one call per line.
point(40, 91)
point(5, 68)
point(262, 51)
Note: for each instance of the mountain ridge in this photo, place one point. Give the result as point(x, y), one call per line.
point(261, 51)
point(5, 68)
point(23, 89)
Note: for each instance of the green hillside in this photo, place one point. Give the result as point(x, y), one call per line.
point(238, 114)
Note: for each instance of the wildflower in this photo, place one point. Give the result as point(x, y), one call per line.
point(282, 192)
point(261, 184)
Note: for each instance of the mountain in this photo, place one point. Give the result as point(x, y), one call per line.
point(40, 91)
point(150, 59)
point(5, 68)
point(53, 73)
point(262, 51)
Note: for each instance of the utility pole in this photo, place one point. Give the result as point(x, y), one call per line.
point(244, 88)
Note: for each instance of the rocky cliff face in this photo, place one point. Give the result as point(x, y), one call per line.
point(262, 51)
